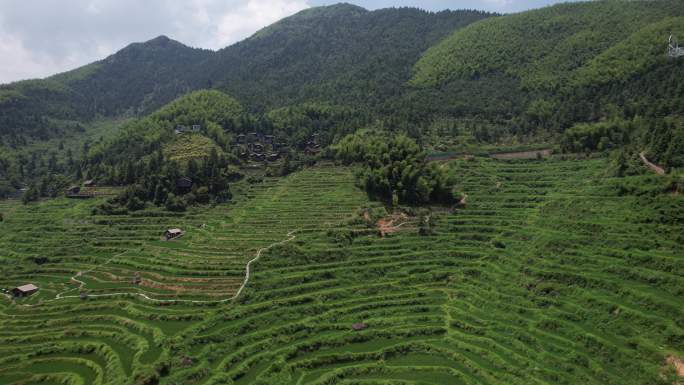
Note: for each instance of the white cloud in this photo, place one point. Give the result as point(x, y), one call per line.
point(250, 17)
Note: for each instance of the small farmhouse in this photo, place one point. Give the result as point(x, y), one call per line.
point(89, 183)
point(173, 233)
point(184, 184)
point(73, 190)
point(25, 290)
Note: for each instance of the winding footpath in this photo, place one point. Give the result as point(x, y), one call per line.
point(290, 237)
point(654, 167)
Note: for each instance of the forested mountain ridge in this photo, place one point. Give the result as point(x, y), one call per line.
point(555, 50)
point(553, 68)
point(326, 53)
point(135, 80)
point(340, 54)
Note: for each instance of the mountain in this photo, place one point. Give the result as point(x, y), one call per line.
point(339, 54)
point(137, 79)
point(565, 50)
point(336, 53)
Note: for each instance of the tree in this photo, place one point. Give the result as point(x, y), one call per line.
point(395, 170)
point(30, 195)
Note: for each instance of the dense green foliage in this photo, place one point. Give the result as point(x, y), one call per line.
point(550, 69)
point(329, 123)
point(137, 157)
point(341, 54)
point(545, 48)
point(395, 170)
point(599, 136)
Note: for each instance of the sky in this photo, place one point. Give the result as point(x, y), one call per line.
point(39, 38)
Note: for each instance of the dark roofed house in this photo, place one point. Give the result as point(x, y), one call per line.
point(312, 150)
point(359, 326)
point(25, 290)
point(184, 184)
point(73, 190)
point(173, 233)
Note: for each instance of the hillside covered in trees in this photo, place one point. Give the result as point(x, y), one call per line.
point(450, 77)
point(556, 67)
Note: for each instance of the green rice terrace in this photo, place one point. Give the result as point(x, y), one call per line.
point(548, 272)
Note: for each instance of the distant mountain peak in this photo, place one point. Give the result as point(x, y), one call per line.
point(340, 9)
point(162, 41)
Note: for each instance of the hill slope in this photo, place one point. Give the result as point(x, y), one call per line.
point(340, 54)
point(336, 52)
point(543, 48)
point(139, 78)
point(552, 68)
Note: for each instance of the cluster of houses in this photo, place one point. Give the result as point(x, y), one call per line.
point(259, 147)
point(76, 192)
point(180, 129)
point(312, 147)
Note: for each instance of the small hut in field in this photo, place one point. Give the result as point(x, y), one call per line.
point(173, 233)
point(24, 290)
point(184, 185)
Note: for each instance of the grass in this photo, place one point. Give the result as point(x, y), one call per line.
point(547, 276)
point(190, 146)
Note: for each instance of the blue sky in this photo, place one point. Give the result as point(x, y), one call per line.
point(39, 38)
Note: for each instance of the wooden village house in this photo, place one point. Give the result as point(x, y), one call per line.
point(73, 190)
point(184, 184)
point(173, 233)
point(24, 290)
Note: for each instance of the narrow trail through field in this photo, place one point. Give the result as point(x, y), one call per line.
point(290, 237)
point(654, 167)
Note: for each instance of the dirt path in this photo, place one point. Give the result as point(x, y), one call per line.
point(388, 224)
point(677, 363)
point(290, 237)
point(654, 167)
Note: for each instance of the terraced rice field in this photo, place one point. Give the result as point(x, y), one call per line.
point(546, 276)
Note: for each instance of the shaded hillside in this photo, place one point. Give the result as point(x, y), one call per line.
point(137, 79)
point(339, 54)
